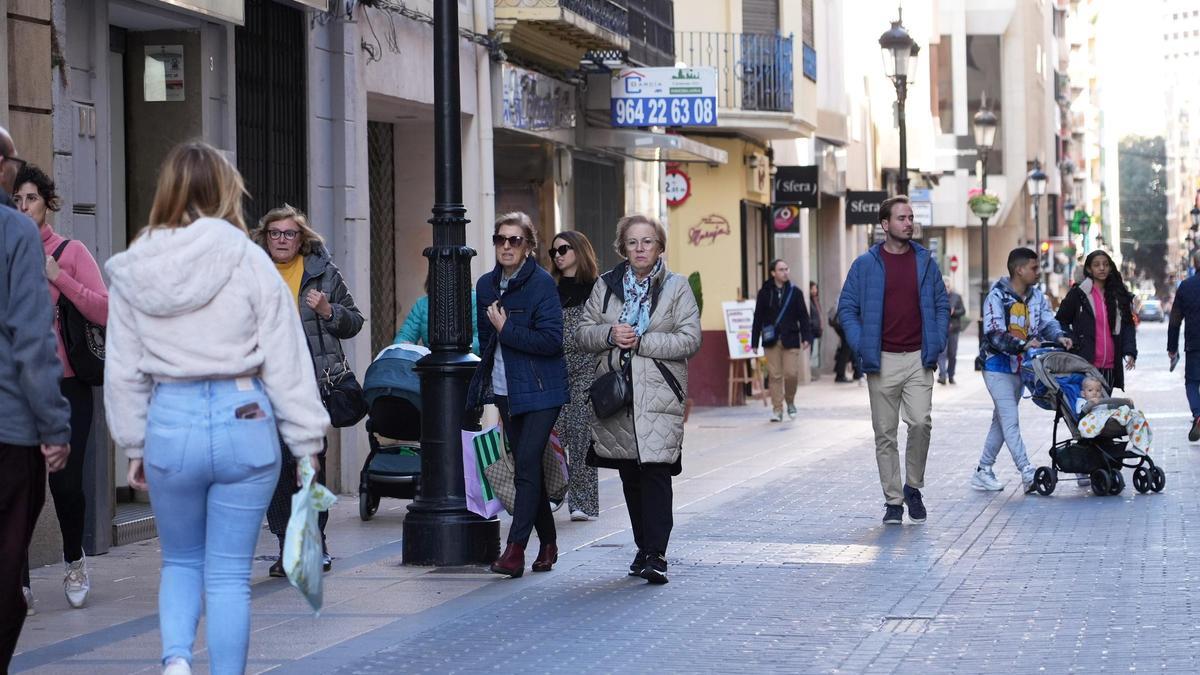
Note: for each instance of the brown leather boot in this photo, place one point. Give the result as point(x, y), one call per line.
point(547, 556)
point(512, 562)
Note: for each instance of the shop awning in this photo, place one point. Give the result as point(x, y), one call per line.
point(652, 147)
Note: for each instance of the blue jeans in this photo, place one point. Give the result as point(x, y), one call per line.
point(1005, 389)
point(211, 476)
point(1192, 387)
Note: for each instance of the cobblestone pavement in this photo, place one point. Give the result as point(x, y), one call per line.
point(779, 563)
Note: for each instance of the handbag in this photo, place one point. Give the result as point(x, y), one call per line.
point(770, 333)
point(342, 395)
point(83, 340)
point(612, 392)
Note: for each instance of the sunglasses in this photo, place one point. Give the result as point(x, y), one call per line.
point(514, 241)
point(560, 251)
point(289, 235)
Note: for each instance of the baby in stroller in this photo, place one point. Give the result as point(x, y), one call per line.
point(1101, 416)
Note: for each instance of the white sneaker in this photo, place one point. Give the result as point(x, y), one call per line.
point(791, 410)
point(76, 583)
point(555, 506)
point(176, 666)
point(579, 516)
point(28, 593)
point(777, 417)
point(985, 479)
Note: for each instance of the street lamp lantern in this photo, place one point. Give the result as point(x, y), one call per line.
point(1195, 217)
point(1037, 180)
point(985, 135)
point(1068, 210)
point(899, 61)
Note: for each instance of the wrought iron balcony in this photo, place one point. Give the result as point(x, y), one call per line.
point(559, 32)
point(754, 71)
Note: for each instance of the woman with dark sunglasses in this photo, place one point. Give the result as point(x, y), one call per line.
point(522, 371)
point(574, 267)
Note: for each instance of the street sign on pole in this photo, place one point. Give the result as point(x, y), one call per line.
point(953, 263)
point(669, 97)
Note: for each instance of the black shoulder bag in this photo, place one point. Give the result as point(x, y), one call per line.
point(612, 392)
point(82, 339)
point(342, 395)
point(770, 332)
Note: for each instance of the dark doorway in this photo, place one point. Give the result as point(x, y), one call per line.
point(599, 204)
point(271, 112)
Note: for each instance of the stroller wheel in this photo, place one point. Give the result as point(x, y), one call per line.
point(1044, 480)
point(1158, 479)
point(1100, 482)
point(1116, 482)
point(1141, 480)
point(366, 505)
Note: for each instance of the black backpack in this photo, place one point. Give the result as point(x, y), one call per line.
point(82, 339)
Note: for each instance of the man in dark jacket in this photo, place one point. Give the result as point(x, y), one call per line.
point(1187, 308)
point(781, 322)
point(34, 417)
point(948, 359)
point(895, 314)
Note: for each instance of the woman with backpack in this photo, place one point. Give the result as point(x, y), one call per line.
point(74, 278)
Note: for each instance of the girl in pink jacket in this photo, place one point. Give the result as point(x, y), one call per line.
point(73, 274)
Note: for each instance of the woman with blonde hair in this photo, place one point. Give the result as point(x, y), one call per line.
point(522, 371)
point(574, 267)
point(644, 317)
point(329, 315)
point(201, 369)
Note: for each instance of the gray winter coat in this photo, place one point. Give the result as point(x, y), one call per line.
point(324, 337)
point(654, 432)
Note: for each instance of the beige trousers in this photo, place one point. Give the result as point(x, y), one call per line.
point(784, 366)
point(902, 386)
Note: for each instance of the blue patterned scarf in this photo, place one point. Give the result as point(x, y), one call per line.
point(636, 311)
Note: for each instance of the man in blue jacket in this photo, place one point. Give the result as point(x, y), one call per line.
point(34, 418)
point(1187, 308)
point(895, 314)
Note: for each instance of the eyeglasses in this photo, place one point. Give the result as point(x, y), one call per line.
point(18, 161)
point(561, 250)
point(289, 235)
point(631, 244)
point(514, 241)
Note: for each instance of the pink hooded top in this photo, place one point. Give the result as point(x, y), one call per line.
point(80, 281)
point(1105, 354)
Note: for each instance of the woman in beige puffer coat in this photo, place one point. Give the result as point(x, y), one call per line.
point(641, 311)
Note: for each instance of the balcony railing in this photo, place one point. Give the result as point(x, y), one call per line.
point(754, 71)
point(607, 14)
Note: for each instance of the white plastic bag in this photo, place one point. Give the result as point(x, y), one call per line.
point(303, 557)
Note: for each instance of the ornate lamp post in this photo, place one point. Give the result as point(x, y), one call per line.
point(1037, 188)
point(985, 136)
point(899, 60)
point(438, 529)
point(1195, 213)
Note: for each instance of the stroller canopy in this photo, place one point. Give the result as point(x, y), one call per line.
point(392, 374)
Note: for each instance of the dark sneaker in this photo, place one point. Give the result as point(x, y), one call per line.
point(1194, 434)
point(916, 507)
point(638, 564)
point(894, 515)
point(655, 570)
point(277, 569)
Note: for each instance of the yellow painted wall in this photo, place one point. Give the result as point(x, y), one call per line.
point(694, 240)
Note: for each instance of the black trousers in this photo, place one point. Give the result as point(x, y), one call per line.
point(66, 485)
point(844, 356)
point(22, 494)
point(648, 496)
point(527, 435)
point(280, 508)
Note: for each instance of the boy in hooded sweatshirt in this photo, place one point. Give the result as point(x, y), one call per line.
point(1016, 317)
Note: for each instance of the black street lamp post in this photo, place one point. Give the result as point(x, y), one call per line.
point(985, 135)
point(1037, 188)
point(438, 529)
point(899, 59)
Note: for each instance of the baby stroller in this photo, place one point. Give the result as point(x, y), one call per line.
point(1054, 379)
point(393, 393)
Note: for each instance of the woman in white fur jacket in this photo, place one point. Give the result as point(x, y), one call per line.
point(202, 349)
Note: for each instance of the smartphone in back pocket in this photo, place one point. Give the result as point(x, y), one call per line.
point(250, 411)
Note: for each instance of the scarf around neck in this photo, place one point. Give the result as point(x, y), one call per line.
point(506, 278)
point(636, 311)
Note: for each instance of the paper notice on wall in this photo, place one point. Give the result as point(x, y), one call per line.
point(163, 78)
point(739, 320)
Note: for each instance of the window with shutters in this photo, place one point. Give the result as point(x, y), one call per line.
point(808, 39)
point(760, 17)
